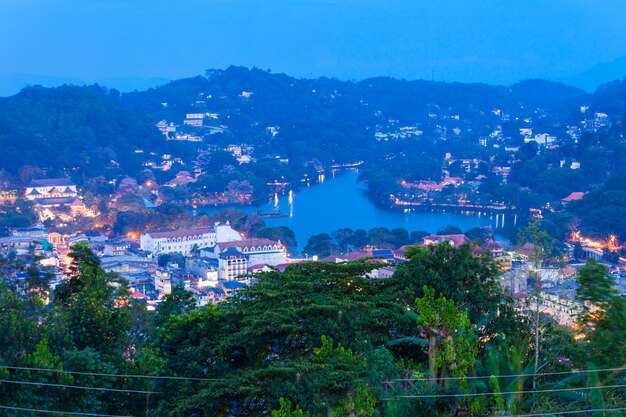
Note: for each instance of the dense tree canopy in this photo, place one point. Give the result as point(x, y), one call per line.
point(319, 339)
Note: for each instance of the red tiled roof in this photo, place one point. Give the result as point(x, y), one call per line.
point(181, 233)
point(492, 245)
point(248, 243)
point(527, 249)
point(352, 256)
point(576, 195)
point(179, 180)
point(281, 267)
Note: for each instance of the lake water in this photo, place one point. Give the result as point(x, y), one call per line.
point(341, 202)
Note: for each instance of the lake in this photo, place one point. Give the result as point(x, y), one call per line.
point(342, 202)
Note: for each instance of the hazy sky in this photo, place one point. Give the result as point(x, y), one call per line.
point(472, 40)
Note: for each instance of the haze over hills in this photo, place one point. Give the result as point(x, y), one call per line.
point(597, 75)
point(12, 82)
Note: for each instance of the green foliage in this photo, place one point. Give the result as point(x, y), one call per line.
point(20, 214)
point(318, 339)
point(452, 346)
point(90, 305)
point(321, 245)
point(545, 248)
point(171, 258)
point(603, 319)
point(604, 346)
point(361, 404)
point(450, 230)
point(282, 233)
point(19, 332)
point(286, 411)
point(578, 252)
point(86, 124)
point(465, 278)
point(328, 353)
point(595, 286)
point(179, 301)
point(602, 211)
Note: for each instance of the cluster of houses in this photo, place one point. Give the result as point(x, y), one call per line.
point(218, 260)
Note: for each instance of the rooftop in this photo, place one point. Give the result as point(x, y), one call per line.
point(248, 243)
point(181, 233)
point(231, 251)
point(51, 182)
point(576, 195)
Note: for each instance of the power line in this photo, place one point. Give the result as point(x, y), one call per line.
point(47, 384)
point(479, 394)
point(74, 413)
point(583, 371)
point(21, 368)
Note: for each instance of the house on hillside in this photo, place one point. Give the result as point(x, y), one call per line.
point(575, 196)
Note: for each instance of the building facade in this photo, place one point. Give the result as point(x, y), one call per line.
point(235, 257)
point(186, 241)
point(53, 191)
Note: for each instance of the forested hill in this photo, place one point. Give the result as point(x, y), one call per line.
point(334, 120)
point(282, 96)
point(71, 129)
point(89, 131)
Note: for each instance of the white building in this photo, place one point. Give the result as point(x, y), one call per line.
point(205, 271)
point(184, 241)
point(163, 281)
point(51, 191)
point(236, 257)
point(542, 139)
point(232, 264)
point(193, 122)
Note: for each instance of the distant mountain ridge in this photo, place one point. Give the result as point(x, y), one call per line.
point(597, 75)
point(12, 83)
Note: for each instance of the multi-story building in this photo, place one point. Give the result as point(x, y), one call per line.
point(232, 263)
point(205, 271)
point(187, 241)
point(235, 257)
point(163, 281)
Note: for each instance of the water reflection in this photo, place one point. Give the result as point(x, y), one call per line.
point(341, 202)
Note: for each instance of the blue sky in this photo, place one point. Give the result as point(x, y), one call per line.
point(478, 40)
